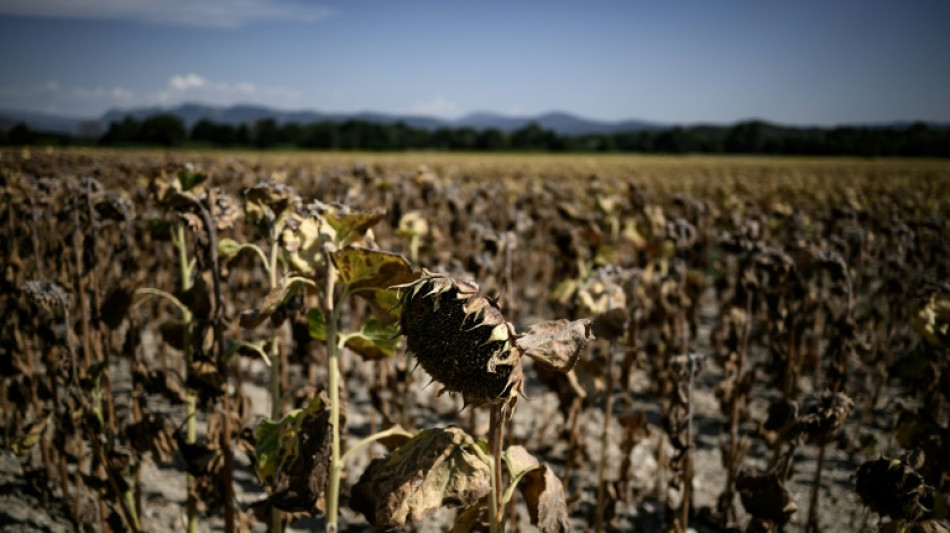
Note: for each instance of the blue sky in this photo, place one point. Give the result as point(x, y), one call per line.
point(685, 61)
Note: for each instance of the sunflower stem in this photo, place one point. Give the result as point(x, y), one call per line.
point(496, 430)
point(332, 313)
point(190, 398)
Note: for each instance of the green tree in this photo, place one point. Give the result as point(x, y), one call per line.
point(163, 129)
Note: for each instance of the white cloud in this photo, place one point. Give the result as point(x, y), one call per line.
point(191, 87)
point(213, 13)
point(188, 81)
point(194, 87)
point(439, 107)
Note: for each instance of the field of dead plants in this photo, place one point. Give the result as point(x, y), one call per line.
point(244, 341)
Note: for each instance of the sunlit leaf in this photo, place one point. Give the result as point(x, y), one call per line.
point(544, 496)
point(229, 249)
point(350, 224)
point(303, 242)
point(370, 273)
point(437, 468)
point(412, 224)
point(360, 268)
point(933, 320)
point(556, 345)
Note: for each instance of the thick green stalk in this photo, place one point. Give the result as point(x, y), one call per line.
point(333, 360)
point(190, 398)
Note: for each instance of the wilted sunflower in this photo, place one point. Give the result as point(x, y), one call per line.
point(463, 341)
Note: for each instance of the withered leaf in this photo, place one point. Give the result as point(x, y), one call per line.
point(31, 435)
point(350, 224)
point(519, 462)
point(303, 242)
point(474, 519)
point(556, 345)
point(764, 496)
point(437, 468)
point(361, 268)
point(544, 495)
point(370, 273)
point(273, 300)
point(412, 224)
point(933, 320)
point(294, 456)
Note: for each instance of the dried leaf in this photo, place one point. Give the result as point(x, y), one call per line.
point(293, 456)
point(361, 268)
point(519, 462)
point(412, 224)
point(31, 436)
point(437, 468)
point(273, 300)
point(303, 241)
point(933, 320)
point(544, 495)
point(475, 519)
point(556, 345)
point(369, 274)
point(350, 224)
point(764, 496)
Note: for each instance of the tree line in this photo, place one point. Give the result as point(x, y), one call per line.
point(749, 137)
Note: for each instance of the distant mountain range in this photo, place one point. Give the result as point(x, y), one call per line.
point(559, 122)
point(562, 123)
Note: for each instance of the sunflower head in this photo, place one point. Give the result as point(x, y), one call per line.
point(461, 339)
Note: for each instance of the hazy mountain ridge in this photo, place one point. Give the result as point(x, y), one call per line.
point(561, 123)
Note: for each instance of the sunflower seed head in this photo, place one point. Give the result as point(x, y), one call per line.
point(461, 338)
point(47, 296)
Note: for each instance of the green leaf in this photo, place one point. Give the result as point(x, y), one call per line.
point(437, 468)
point(189, 179)
point(245, 347)
point(317, 324)
point(230, 249)
point(374, 341)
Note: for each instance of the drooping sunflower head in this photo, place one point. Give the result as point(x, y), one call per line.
point(461, 339)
